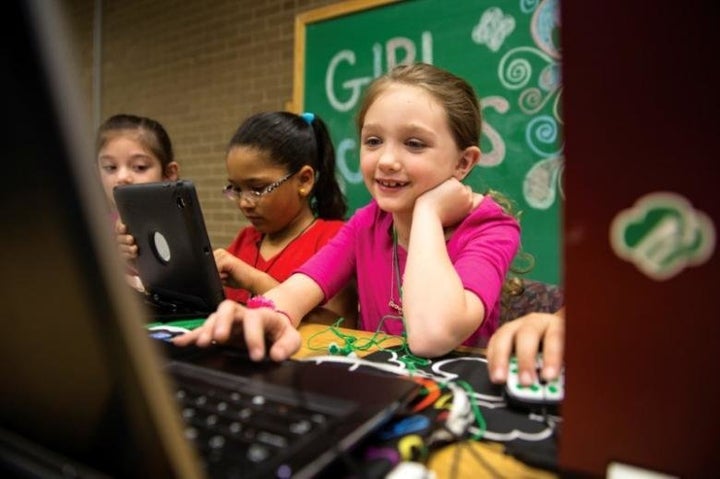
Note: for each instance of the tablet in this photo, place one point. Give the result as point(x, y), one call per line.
point(175, 259)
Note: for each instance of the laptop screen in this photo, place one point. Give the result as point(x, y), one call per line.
point(641, 266)
point(68, 383)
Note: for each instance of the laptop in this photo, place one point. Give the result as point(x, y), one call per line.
point(175, 259)
point(642, 146)
point(85, 392)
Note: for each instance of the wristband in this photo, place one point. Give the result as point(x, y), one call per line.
point(262, 302)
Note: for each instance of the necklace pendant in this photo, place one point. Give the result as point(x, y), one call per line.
point(393, 305)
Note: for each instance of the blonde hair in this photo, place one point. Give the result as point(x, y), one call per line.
point(462, 107)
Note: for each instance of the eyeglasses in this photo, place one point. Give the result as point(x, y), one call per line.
point(252, 195)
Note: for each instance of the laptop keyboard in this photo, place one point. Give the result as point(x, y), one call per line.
point(245, 428)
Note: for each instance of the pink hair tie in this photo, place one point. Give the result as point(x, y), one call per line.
point(262, 302)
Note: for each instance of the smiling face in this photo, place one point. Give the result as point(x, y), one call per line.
point(124, 160)
point(406, 147)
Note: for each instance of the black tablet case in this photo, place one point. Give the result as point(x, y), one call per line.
point(175, 259)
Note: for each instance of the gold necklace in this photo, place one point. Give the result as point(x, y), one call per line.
point(395, 272)
point(272, 262)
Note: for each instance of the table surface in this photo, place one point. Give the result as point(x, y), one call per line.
point(455, 461)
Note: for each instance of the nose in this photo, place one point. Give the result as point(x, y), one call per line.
point(245, 202)
point(388, 159)
point(124, 176)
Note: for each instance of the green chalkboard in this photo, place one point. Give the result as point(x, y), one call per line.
point(508, 50)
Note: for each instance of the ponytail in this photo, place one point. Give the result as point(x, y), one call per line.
point(328, 199)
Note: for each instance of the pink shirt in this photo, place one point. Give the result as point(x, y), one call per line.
point(481, 249)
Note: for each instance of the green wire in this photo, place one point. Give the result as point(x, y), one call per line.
point(479, 419)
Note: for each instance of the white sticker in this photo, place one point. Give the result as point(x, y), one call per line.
point(662, 234)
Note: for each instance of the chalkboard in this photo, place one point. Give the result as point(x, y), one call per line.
point(508, 50)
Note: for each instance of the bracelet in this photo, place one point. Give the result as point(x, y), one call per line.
point(262, 302)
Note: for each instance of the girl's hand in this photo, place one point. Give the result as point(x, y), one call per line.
point(232, 269)
point(237, 325)
point(134, 281)
point(451, 201)
point(523, 337)
point(125, 241)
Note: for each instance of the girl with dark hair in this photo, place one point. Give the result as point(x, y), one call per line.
point(132, 149)
point(281, 175)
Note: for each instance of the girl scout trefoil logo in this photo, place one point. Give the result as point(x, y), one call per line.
point(662, 235)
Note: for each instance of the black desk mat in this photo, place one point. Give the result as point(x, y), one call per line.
point(458, 389)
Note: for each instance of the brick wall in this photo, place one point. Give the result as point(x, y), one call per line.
point(199, 67)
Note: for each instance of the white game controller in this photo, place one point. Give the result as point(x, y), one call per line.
point(538, 394)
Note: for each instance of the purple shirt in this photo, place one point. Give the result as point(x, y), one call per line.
point(481, 250)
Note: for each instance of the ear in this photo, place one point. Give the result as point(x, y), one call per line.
point(306, 180)
point(172, 171)
point(468, 160)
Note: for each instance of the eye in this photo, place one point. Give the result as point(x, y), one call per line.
point(257, 190)
point(372, 141)
point(415, 144)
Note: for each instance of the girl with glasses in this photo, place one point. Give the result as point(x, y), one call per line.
point(281, 175)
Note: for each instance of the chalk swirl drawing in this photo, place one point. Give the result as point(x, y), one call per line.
point(515, 72)
point(545, 20)
point(538, 186)
point(528, 6)
point(541, 135)
point(534, 71)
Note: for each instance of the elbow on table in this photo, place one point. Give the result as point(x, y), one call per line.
point(431, 345)
point(431, 339)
